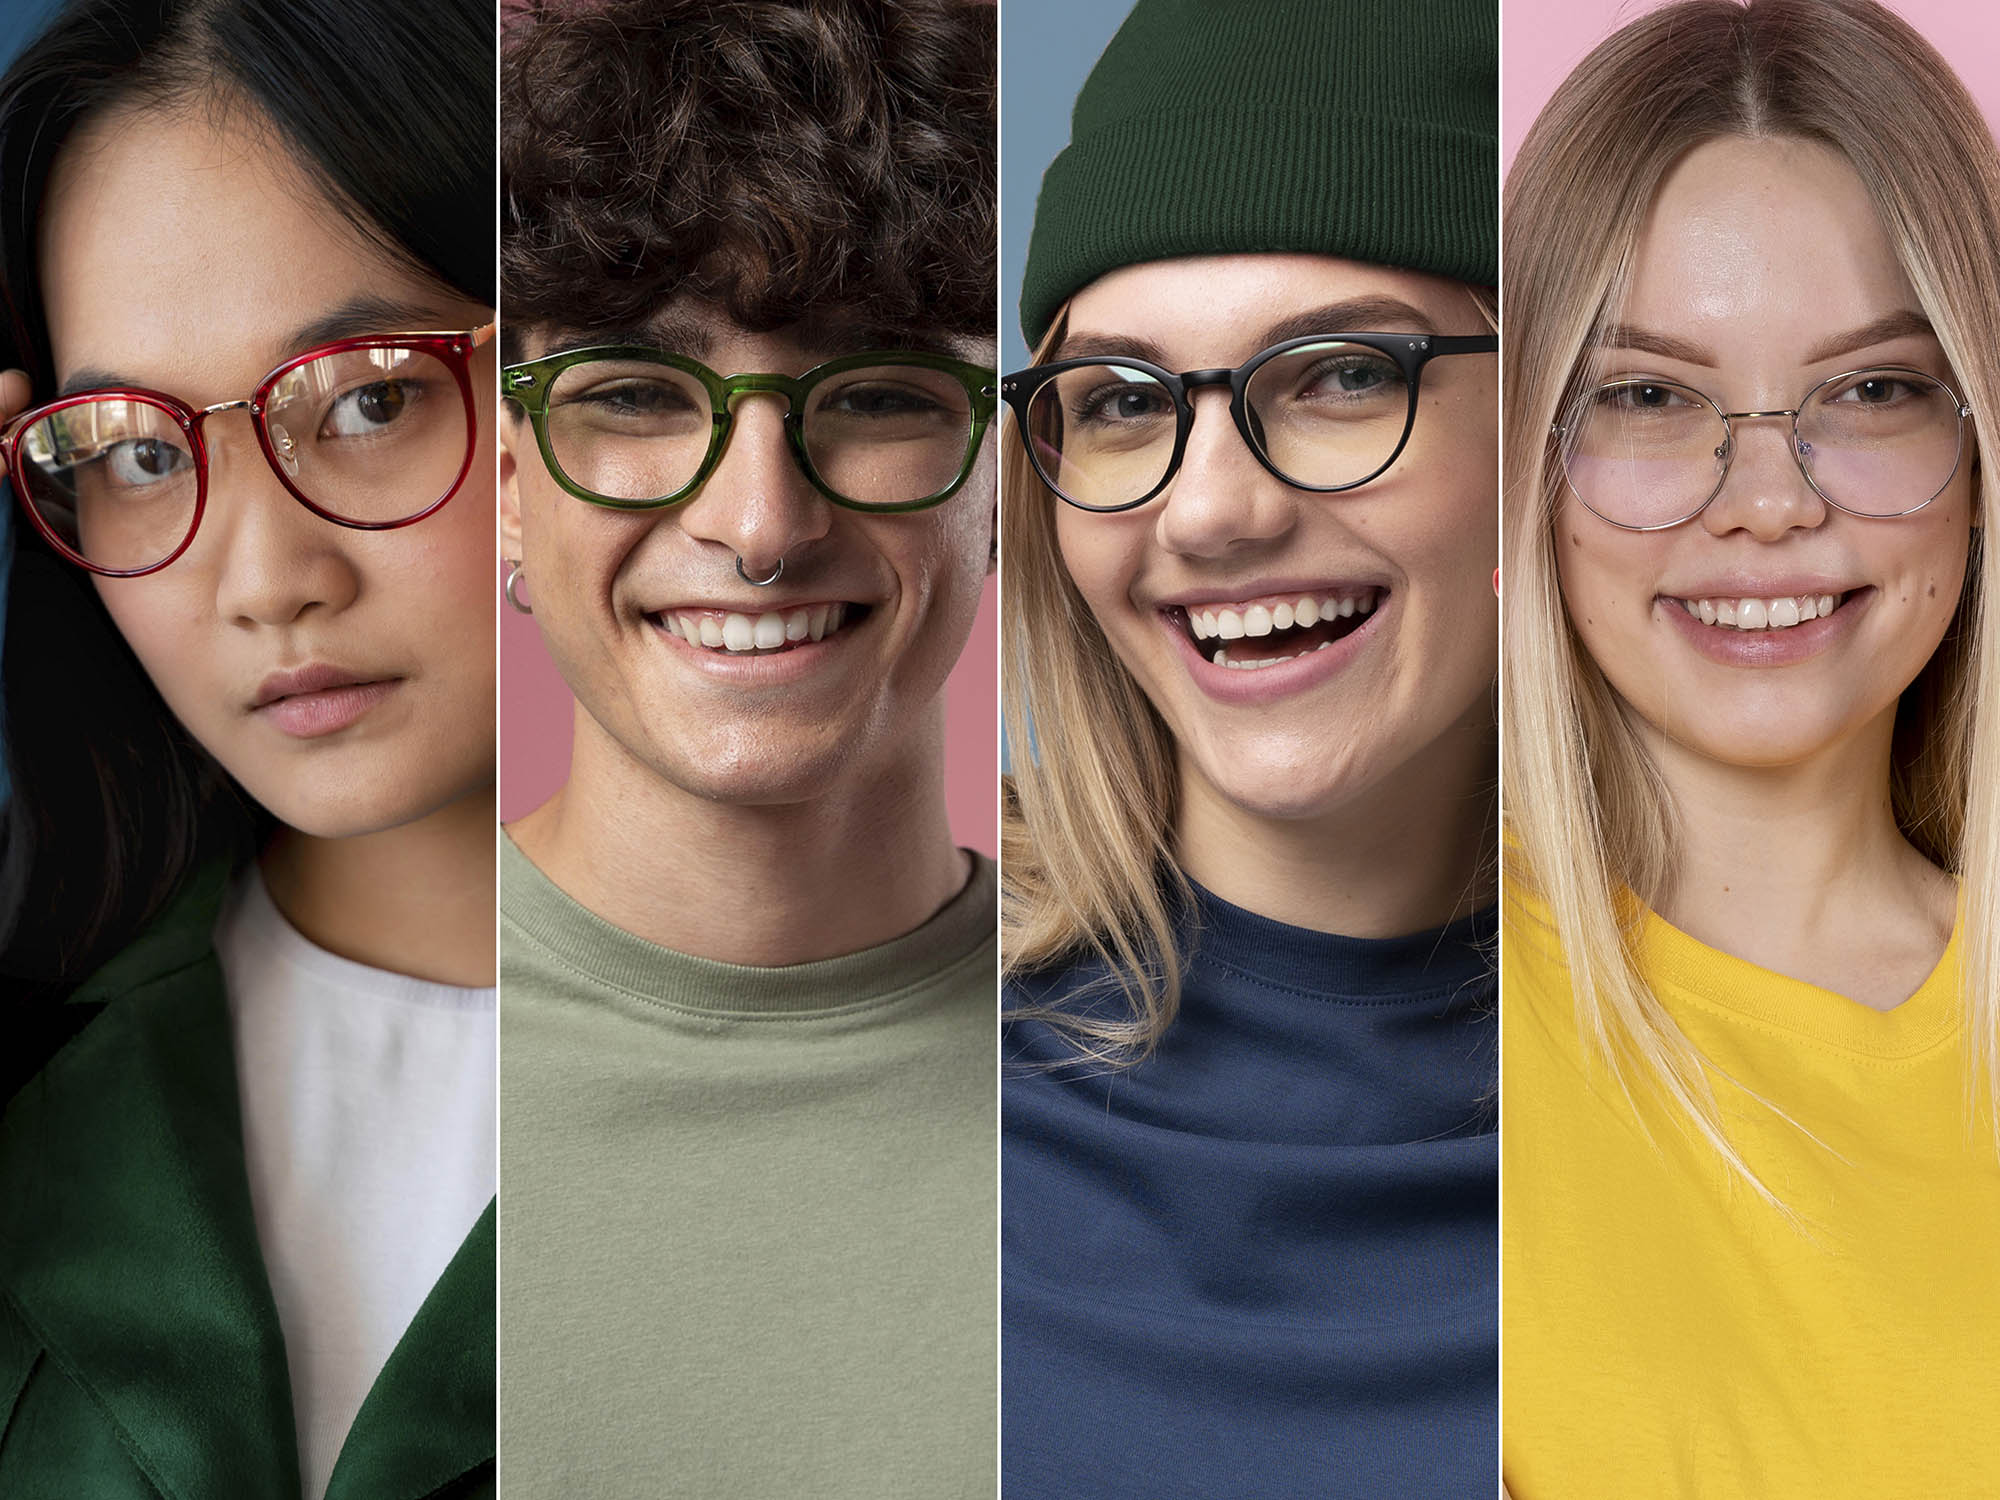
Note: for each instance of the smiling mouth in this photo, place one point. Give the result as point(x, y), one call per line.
point(1781, 613)
point(767, 634)
point(1265, 633)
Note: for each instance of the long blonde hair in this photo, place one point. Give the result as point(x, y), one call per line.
point(1086, 827)
point(1590, 823)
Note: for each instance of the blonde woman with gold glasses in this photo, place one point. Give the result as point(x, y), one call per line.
point(1752, 924)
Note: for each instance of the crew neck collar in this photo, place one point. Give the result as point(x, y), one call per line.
point(608, 955)
point(1434, 961)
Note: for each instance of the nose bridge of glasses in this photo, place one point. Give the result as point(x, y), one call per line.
point(736, 387)
point(1795, 443)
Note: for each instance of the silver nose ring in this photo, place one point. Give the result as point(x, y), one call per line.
point(777, 572)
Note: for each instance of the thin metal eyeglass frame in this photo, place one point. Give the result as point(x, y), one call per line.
point(454, 350)
point(1410, 351)
point(529, 383)
point(1727, 451)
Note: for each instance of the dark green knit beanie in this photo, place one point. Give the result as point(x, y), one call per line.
point(1365, 129)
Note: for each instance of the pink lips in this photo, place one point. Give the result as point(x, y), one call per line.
point(318, 700)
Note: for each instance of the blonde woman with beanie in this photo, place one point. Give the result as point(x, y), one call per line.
point(1250, 521)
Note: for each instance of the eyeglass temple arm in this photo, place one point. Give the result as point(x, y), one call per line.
point(1465, 343)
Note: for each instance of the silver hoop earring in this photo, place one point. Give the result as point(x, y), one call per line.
point(777, 572)
point(514, 599)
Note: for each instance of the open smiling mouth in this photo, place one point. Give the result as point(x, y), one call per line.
point(767, 634)
point(1781, 613)
point(1266, 633)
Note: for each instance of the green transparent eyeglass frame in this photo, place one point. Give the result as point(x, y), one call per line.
point(528, 385)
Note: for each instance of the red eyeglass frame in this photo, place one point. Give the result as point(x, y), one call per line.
point(454, 350)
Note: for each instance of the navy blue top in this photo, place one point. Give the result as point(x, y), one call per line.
point(1264, 1262)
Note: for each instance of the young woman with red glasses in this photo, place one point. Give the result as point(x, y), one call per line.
point(246, 884)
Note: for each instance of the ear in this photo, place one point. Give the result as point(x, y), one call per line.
point(514, 430)
point(993, 535)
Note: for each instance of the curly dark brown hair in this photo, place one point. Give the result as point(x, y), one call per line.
point(779, 158)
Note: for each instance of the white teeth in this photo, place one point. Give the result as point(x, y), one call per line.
point(766, 632)
point(1762, 614)
point(1222, 658)
point(1261, 619)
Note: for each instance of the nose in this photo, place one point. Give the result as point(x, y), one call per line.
point(1222, 501)
point(272, 560)
point(758, 502)
point(1764, 491)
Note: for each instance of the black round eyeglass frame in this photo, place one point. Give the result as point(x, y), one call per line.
point(1410, 351)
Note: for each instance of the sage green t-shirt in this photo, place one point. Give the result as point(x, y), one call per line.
point(748, 1217)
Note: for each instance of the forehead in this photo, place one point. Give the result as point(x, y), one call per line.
point(1216, 309)
point(1762, 246)
point(182, 248)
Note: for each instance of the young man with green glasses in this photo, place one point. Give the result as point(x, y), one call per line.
point(748, 1145)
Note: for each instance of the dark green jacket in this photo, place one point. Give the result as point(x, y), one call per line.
point(140, 1354)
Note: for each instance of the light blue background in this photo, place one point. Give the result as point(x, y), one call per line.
point(1047, 48)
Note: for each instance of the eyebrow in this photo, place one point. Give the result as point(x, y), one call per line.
point(817, 338)
point(1896, 325)
point(1646, 341)
point(1354, 315)
point(354, 318)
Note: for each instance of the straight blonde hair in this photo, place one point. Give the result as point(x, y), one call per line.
point(1086, 856)
point(1590, 824)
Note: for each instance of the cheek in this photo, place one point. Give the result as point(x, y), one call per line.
point(161, 618)
point(572, 551)
point(1101, 555)
point(1604, 575)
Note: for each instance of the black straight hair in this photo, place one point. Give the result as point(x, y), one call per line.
point(388, 106)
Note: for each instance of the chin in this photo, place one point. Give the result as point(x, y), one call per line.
point(349, 809)
point(1760, 742)
point(753, 770)
point(1284, 782)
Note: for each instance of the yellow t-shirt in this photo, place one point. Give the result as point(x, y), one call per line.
point(1666, 1333)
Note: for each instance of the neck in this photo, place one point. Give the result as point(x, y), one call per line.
point(1802, 869)
point(415, 899)
point(866, 859)
point(1403, 854)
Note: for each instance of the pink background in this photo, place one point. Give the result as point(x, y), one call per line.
point(535, 709)
point(1541, 40)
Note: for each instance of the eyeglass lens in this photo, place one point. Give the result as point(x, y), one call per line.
point(880, 435)
point(1323, 415)
point(1651, 453)
point(370, 435)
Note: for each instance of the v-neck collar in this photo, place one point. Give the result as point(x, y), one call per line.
point(128, 1248)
